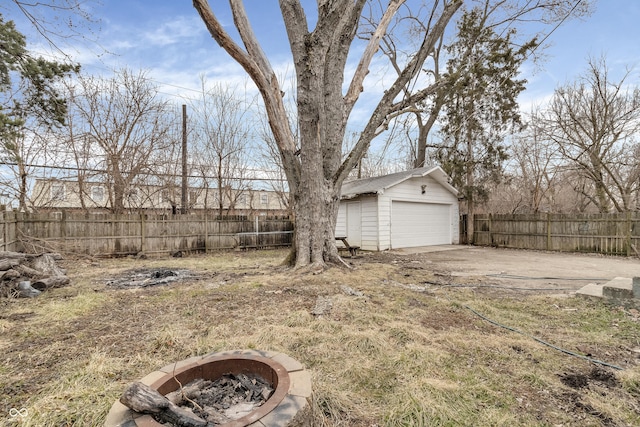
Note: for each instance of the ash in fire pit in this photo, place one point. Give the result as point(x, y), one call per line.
point(146, 277)
point(228, 398)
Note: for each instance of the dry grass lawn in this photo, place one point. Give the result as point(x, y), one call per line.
point(408, 352)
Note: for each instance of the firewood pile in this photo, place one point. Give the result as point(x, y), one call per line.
point(27, 275)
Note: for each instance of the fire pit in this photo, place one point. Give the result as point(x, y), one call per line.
point(288, 405)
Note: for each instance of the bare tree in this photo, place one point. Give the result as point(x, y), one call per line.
point(56, 22)
point(22, 165)
point(126, 123)
point(499, 16)
point(221, 137)
point(270, 161)
point(595, 122)
point(536, 169)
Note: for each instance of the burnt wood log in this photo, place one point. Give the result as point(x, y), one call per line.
point(188, 391)
point(50, 282)
point(142, 398)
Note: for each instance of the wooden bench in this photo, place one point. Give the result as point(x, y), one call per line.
point(353, 250)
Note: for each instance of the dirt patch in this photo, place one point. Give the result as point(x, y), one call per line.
point(604, 377)
point(574, 380)
point(578, 381)
point(148, 277)
point(598, 380)
point(582, 412)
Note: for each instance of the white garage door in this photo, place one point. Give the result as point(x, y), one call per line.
point(420, 224)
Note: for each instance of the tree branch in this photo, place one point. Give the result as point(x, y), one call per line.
point(379, 116)
point(355, 88)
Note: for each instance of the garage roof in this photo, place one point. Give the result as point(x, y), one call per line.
point(378, 184)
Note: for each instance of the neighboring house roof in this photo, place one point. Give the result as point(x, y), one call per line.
point(378, 184)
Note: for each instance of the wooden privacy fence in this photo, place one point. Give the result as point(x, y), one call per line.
point(117, 235)
point(613, 234)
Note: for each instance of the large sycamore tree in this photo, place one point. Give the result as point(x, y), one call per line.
point(316, 168)
point(330, 82)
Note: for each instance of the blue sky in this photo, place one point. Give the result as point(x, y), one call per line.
point(613, 31)
point(168, 39)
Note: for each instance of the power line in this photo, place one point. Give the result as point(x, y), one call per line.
point(159, 174)
point(558, 24)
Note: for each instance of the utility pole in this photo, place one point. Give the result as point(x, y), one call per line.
point(185, 194)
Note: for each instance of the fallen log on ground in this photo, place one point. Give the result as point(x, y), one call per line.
point(21, 273)
point(145, 400)
point(50, 282)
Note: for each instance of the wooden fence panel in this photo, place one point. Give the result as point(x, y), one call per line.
point(113, 235)
point(612, 234)
point(8, 232)
point(117, 235)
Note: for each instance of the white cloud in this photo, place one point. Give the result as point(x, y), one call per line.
point(178, 30)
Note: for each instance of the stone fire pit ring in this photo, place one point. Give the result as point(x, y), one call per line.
point(288, 406)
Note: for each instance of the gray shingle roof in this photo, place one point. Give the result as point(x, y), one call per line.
point(378, 184)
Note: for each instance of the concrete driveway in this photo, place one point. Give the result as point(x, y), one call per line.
point(525, 267)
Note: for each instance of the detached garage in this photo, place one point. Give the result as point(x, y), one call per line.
point(405, 209)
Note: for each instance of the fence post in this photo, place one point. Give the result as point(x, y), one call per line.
point(5, 235)
point(143, 244)
point(206, 231)
point(18, 218)
point(489, 227)
point(548, 231)
point(257, 228)
point(63, 228)
point(628, 233)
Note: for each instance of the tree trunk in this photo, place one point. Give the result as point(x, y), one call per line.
point(470, 212)
point(315, 219)
point(117, 186)
point(425, 130)
point(421, 149)
point(470, 170)
point(315, 194)
point(22, 196)
point(118, 198)
point(82, 192)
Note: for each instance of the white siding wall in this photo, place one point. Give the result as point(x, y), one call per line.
point(369, 210)
point(384, 209)
point(369, 221)
point(341, 222)
point(455, 223)
point(411, 191)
